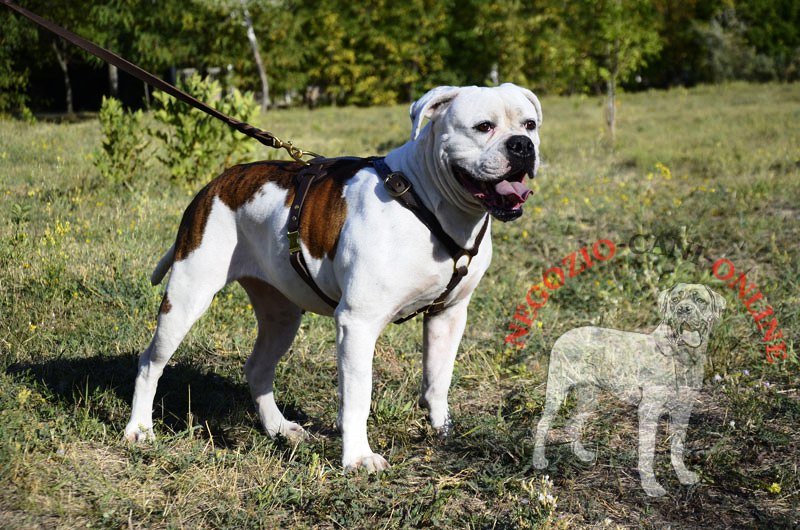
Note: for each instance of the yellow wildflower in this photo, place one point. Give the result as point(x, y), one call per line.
point(23, 396)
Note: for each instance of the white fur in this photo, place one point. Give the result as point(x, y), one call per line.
point(387, 265)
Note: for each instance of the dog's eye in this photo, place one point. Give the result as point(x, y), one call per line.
point(530, 125)
point(484, 126)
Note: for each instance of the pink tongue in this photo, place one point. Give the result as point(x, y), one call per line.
point(517, 190)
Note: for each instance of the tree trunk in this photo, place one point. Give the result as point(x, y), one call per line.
point(63, 62)
point(611, 86)
point(113, 81)
point(251, 36)
point(611, 106)
point(146, 96)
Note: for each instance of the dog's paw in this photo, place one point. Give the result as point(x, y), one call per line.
point(583, 454)
point(445, 428)
point(539, 461)
point(372, 463)
point(687, 478)
point(293, 432)
point(653, 488)
point(139, 434)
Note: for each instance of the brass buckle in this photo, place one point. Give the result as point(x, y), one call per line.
point(294, 242)
point(396, 184)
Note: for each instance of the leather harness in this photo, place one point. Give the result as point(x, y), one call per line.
point(400, 189)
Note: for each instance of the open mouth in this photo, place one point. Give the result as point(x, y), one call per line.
point(692, 334)
point(502, 198)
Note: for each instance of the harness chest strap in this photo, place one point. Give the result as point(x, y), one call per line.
point(400, 189)
point(307, 177)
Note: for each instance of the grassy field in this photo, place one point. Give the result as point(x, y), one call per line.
point(718, 167)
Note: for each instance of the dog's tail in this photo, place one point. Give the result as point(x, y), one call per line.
point(163, 266)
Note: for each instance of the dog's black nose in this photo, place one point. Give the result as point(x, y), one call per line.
point(683, 309)
point(520, 146)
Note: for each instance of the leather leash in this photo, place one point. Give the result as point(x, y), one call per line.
point(395, 182)
point(266, 138)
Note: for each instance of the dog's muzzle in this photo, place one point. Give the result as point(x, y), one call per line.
point(689, 326)
point(503, 198)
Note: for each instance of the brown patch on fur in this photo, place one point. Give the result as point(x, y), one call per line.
point(323, 217)
point(235, 187)
point(325, 209)
point(166, 306)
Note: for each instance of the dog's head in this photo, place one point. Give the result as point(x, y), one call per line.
point(690, 310)
point(486, 141)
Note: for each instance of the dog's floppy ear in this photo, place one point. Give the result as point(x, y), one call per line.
point(663, 301)
point(433, 101)
point(717, 302)
point(532, 98)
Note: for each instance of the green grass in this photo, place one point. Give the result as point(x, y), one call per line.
point(719, 164)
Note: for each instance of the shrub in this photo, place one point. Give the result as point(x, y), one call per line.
point(195, 146)
point(122, 153)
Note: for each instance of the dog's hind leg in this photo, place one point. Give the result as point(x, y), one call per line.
point(586, 397)
point(278, 321)
point(557, 389)
point(184, 302)
point(194, 281)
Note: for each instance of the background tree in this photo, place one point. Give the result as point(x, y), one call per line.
point(383, 52)
point(627, 35)
point(680, 60)
point(16, 36)
point(262, 74)
point(71, 15)
point(772, 27)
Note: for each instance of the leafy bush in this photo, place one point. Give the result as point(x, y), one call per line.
point(196, 146)
point(123, 148)
point(727, 53)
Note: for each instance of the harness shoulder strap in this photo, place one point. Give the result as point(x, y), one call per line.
point(400, 188)
point(303, 181)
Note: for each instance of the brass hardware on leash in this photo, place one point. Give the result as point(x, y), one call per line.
point(295, 152)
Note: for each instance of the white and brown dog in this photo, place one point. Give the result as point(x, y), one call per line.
point(363, 248)
point(660, 372)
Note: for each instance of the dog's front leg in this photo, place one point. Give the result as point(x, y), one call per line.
point(441, 337)
point(678, 421)
point(650, 410)
point(355, 344)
